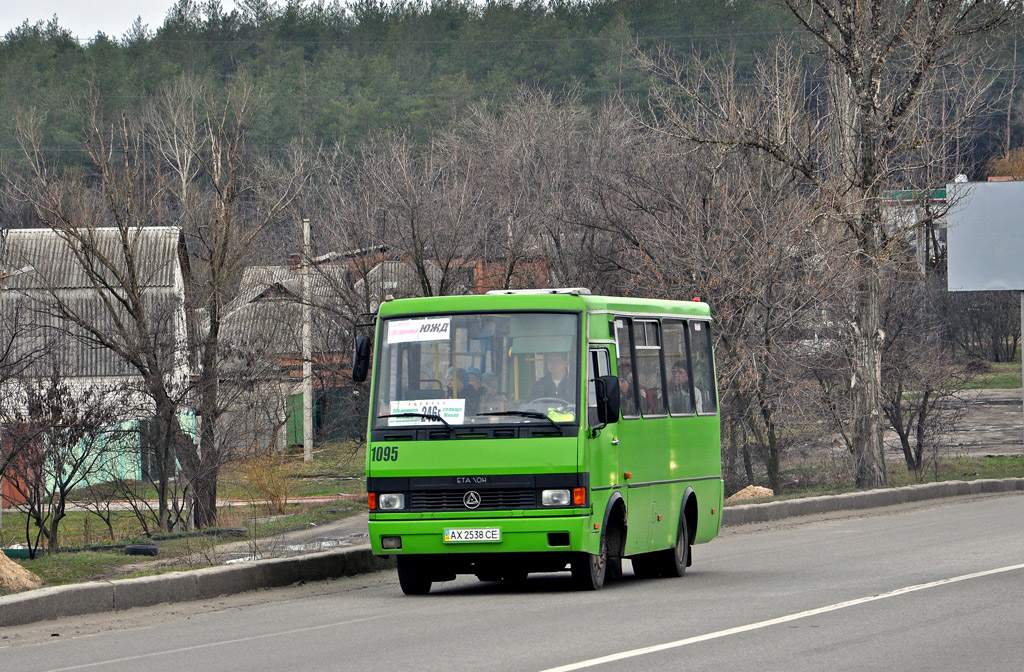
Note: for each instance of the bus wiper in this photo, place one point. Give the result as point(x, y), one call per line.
point(525, 414)
point(426, 416)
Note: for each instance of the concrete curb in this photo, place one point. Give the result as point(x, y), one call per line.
point(869, 499)
point(103, 596)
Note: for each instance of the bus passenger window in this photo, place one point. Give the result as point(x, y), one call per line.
point(680, 388)
point(624, 370)
point(703, 367)
point(647, 346)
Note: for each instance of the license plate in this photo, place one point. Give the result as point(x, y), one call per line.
point(472, 534)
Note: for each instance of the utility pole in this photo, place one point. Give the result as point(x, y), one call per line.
point(307, 347)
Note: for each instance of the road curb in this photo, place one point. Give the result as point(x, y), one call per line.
point(103, 596)
point(869, 499)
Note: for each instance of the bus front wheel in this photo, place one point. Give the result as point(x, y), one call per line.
point(588, 570)
point(412, 576)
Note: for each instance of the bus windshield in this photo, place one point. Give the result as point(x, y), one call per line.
point(472, 369)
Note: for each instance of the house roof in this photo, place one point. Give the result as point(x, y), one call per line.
point(42, 268)
point(56, 262)
point(266, 313)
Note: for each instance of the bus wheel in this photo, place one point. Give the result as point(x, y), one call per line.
point(588, 571)
point(412, 576)
point(675, 560)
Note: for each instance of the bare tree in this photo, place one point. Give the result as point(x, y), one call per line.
point(121, 315)
point(225, 198)
point(921, 374)
point(523, 157)
point(430, 209)
point(729, 226)
point(882, 60)
point(62, 439)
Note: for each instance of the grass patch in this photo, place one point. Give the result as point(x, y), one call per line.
point(1000, 376)
point(65, 568)
point(183, 552)
point(336, 468)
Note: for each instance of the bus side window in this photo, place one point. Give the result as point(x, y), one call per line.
point(647, 349)
point(703, 367)
point(624, 369)
point(677, 365)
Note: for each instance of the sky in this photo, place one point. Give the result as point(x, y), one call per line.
point(85, 17)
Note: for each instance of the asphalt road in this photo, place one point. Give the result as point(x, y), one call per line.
point(933, 586)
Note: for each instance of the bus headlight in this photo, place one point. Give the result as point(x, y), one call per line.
point(555, 498)
point(390, 502)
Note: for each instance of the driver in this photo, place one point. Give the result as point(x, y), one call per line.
point(556, 383)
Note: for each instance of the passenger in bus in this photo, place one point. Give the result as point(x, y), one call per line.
point(627, 402)
point(650, 397)
point(459, 388)
point(556, 382)
point(489, 398)
point(477, 393)
point(679, 399)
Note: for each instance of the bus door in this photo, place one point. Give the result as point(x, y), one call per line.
point(602, 449)
point(633, 450)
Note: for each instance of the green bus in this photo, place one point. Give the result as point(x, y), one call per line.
point(538, 430)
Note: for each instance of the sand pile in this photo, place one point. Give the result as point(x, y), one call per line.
point(751, 492)
point(14, 578)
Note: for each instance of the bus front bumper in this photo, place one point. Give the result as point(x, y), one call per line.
point(481, 535)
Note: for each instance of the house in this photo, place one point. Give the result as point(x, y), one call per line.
point(262, 326)
point(51, 306)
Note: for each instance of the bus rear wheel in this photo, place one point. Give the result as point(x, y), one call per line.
point(413, 576)
point(668, 563)
point(674, 560)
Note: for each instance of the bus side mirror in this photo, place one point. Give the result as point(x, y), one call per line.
point(606, 388)
point(361, 358)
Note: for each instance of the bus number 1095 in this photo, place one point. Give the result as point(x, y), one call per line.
point(384, 454)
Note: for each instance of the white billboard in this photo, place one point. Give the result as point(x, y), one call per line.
point(985, 236)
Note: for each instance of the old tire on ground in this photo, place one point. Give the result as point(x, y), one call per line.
point(413, 576)
point(141, 549)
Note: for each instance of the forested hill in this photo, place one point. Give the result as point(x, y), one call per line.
point(350, 70)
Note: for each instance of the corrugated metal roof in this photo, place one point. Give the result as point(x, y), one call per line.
point(266, 314)
point(56, 259)
point(399, 279)
point(55, 276)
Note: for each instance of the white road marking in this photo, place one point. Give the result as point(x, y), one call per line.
point(614, 657)
point(155, 654)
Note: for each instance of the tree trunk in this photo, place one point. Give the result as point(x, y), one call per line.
point(868, 337)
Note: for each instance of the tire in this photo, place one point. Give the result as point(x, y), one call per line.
point(673, 561)
point(141, 549)
point(412, 576)
point(588, 570)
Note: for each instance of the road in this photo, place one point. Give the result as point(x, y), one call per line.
point(933, 586)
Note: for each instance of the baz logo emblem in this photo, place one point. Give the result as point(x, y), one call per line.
point(471, 499)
